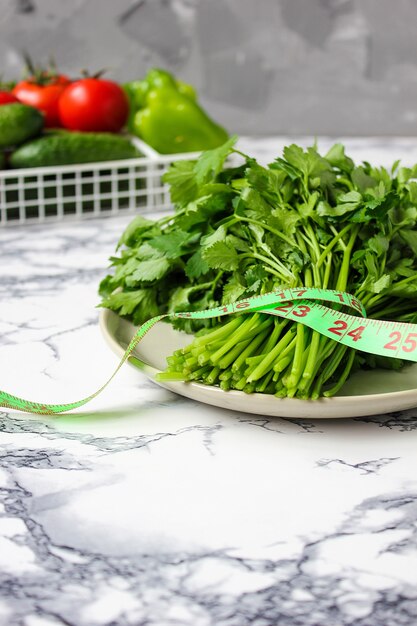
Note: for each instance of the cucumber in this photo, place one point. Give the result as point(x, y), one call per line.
point(18, 122)
point(70, 148)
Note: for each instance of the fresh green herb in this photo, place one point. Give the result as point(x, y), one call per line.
point(304, 220)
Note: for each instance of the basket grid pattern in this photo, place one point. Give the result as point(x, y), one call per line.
point(87, 190)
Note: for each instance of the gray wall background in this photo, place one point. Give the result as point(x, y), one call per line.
point(304, 67)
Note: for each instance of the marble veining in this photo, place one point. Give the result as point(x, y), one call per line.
point(145, 508)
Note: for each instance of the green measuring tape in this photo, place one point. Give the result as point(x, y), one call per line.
point(392, 339)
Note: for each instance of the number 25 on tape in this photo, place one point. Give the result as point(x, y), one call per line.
point(410, 342)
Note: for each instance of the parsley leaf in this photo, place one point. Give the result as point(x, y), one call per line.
point(218, 235)
point(232, 290)
point(181, 177)
point(149, 270)
point(196, 266)
point(124, 301)
point(211, 162)
point(171, 244)
point(337, 157)
point(255, 276)
point(410, 237)
point(221, 256)
point(135, 230)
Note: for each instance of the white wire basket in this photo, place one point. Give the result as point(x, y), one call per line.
point(57, 193)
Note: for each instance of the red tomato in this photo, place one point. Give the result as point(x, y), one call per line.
point(93, 104)
point(7, 98)
point(43, 95)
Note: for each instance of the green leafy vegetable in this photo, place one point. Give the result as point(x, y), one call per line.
point(304, 220)
point(221, 256)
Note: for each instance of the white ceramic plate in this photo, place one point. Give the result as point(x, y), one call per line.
point(366, 393)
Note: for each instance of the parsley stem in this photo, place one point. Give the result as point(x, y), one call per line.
point(282, 271)
point(327, 270)
point(296, 369)
point(333, 242)
point(394, 311)
point(288, 351)
point(274, 272)
point(250, 349)
point(313, 241)
point(329, 369)
point(312, 355)
point(233, 354)
point(308, 282)
point(267, 362)
point(272, 230)
point(242, 154)
point(344, 270)
point(222, 331)
point(343, 376)
point(169, 218)
point(169, 375)
point(238, 335)
point(214, 283)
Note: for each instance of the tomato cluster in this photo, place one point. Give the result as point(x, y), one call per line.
point(88, 104)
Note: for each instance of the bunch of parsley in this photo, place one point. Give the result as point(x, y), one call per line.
point(304, 220)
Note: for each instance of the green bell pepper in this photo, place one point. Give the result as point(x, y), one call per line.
point(166, 114)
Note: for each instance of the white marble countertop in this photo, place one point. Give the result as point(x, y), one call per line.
point(149, 509)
